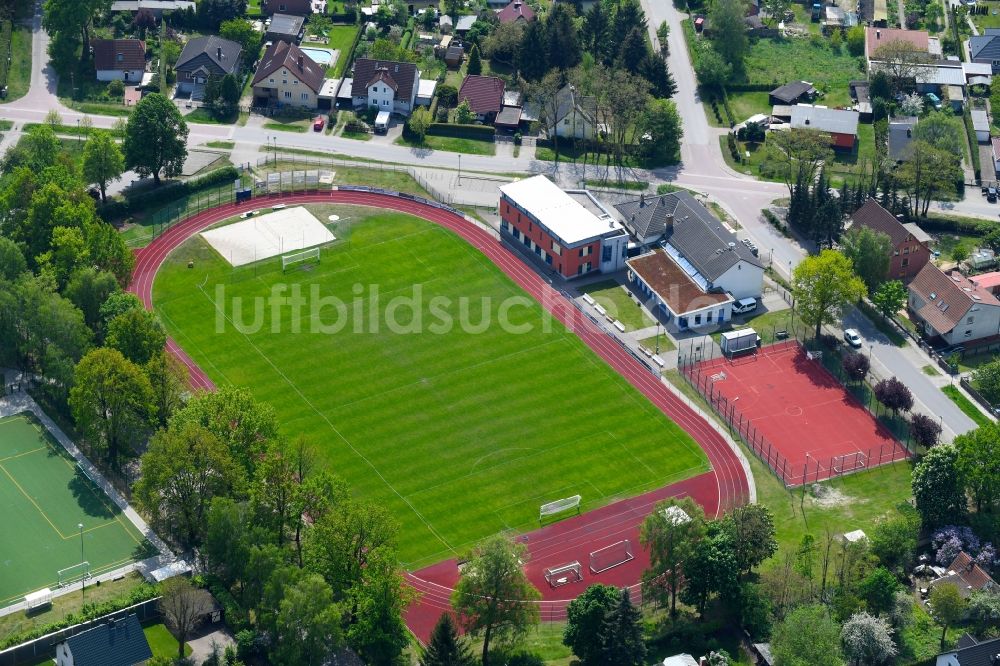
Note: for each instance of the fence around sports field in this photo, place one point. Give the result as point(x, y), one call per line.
point(693, 370)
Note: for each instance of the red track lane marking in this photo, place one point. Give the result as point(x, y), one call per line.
point(727, 475)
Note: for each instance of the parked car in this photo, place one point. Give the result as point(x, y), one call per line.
point(744, 305)
point(853, 338)
point(991, 195)
point(319, 123)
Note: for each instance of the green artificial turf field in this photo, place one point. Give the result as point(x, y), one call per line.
point(43, 498)
point(460, 433)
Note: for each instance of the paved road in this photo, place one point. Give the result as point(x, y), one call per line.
point(906, 364)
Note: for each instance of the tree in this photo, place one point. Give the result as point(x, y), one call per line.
point(419, 122)
point(504, 44)
point(751, 530)
point(532, 58)
point(948, 606)
point(987, 379)
point(927, 173)
point(242, 32)
point(225, 547)
point(878, 590)
point(307, 624)
point(662, 34)
point(168, 379)
point(475, 65)
point(670, 539)
point(711, 68)
point(621, 634)
point(69, 24)
point(926, 432)
point(156, 137)
point(87, 289)
point(111, 401)
point(346, 539)
point(912, 105)
point(856, 41)
point(662, 124)
point(898, 59)
point(107, 251)
point(984, 610)
point(869, 252)
point(464, 114)
point(595, 32)
point(137, 335)
point(585, 618)
point(727, 19)
point(377, 631)
point(856, 365)
point(775, 9)
point(12, 262)
point(447, 94)
point(183, 470)
point(103, 161)
point(942, 130)
point(183, 607)
point(893, 394)
point(978, 463)
point(211, 13)
point(493, 597)
point(798, 154)
point(632, 51)
point(937, 487)
point(823, 285)
point(808, 636)
point(868, 639)
point(890, 297)
point(894, 538)
point(711, 569)
point(446, 647)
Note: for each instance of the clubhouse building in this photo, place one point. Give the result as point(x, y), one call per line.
point(570, 231)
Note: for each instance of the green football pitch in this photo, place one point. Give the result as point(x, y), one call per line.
point(44, 497)
point(460, 431)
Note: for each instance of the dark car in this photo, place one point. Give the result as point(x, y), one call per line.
point(991, 195)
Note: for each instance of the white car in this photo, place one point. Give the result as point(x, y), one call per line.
point(853, 338)
point(744, 305)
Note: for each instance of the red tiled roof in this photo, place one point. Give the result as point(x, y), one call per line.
point(971, 573)
point(484, 93)
point(987, 280)
point(876, 37)
point(873, 216)
point(403, 73)
point(132, 54)
point(283, 54)
point(947, 297)
point(515, 11)
point(382, 75)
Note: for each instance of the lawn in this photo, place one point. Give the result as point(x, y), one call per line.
point(451, 429)
point(100, 108)
point(341, 37)
point(966, 406)
point(767, 324)
point(6, 125)
point(206, 117)
point(746, 104)
point(162, 642)
point(225, 145)
point(451, 144)
point(617, 302)
point(666, 344)
point(300, 125)
point(608, 183)
point(989, 20)
point(357, 136)
point(19, 74)
point(778, 61)
point(45, 496)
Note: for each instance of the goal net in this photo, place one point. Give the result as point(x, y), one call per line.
point(559, 506)
point(305, 256)
point(849, 462)
point(611, 556)
point(564, 574)
point(74, 574)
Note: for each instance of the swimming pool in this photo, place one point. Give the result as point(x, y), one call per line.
point(321, 56)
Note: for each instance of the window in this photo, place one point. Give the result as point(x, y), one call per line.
point(708, 317)
point(270, 80)
point(556, 249)
point(295, 82)
point(722, 315)
point(697, 319)
point(895, 253)
point(504, 225)
point(606, 253)
point(586, 251)
point(288, 95)
point(968, 333)
point(284, 82)
point(970, 320)
point(305, 97)
point(906, 250)
point(548, 259)
point(682, 322)
point(906, 262)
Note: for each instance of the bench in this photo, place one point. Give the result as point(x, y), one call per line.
point(781, 334)
point(620, 326)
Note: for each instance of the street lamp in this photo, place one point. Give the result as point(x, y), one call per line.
point(83, 577)
point(460, 169)
point(78, 138)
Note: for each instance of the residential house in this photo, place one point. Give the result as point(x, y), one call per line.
point(681, 299)
point(203, 58)
point(386, 85)
point(920, 39)
point(516, 10)
point(793, 93)
point(900, 137)
point(697, 241)
point(575, 115)
point(285, 28)
point(951, 308)
point(119, 59)
point(682, 659)
point(484, 95)
point(971, 652)
point(286, 76)
point(860, 93)
point(981, 125)
point(454, 55)
point(909, 243)
point(985, 48)
point(569, 231)
point(157, 7)
point(294, 7)
point(114, 643)
point(966, 575)
point(988, 281)
point(841, 125)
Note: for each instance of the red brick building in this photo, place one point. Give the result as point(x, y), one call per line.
point(909, 242)
point(569, 231)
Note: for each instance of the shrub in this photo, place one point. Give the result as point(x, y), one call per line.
point(925, 430)
point(856, 366)
point(481, 132)
point(893, 394)
point(116, 88)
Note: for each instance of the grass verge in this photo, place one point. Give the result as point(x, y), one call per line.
point(617, 302)
point(966, 405)
point(451, 144)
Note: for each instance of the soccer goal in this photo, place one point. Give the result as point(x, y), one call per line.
point(611, 556)
point(559, 506)
point(564, 574)
point(74, 574)
point(849, 462)
point(295, 258)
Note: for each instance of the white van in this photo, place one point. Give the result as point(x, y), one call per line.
point(744, 305)
point(382, 122)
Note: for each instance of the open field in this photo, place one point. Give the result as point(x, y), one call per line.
point(779, 61)
point(461, 430)
point(44, 496)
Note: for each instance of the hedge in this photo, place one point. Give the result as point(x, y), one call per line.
point(347, 59)
point(5, 36)
point(967, 225)
point(752, 87)
point(970, 134)
point(169, 192)
point(481, 132)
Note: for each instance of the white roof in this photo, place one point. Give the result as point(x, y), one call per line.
point(680, 660)
point(940, 75)
point(739, 333)
point(329, 88)
point(557, 211)
point(426, 88)
point(805, 116)
point(855, 536)
point(177, 568)
point(977, 68)
point(980, 121)
point(136, 5)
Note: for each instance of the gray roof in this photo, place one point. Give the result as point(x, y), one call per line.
point(987, 46)
point(285, 24)
point(567, 99)
point(695, 232)
point(114, 643)
point(823, 119)
point(210, 46)
point(980, 121)
point(976, 653)
point(160, 5)
point(900, 136)
point(465, 22)
point(791, 92)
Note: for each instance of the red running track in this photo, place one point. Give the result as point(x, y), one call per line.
point(718, 490)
